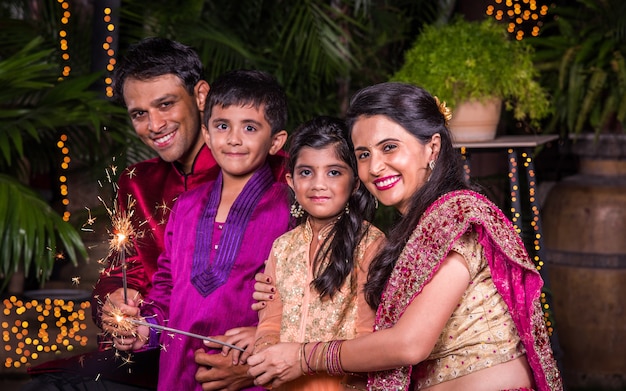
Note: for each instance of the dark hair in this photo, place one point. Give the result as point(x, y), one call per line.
point(249, 87)
point(416, 111)
point(153, 57)
point(340, 245)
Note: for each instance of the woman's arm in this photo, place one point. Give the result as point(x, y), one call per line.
point(407, 343)
point(411, 340)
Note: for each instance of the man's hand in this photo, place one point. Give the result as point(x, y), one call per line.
point(115, 315)
point(217, 372)
point(264, 290)
point(242, 337)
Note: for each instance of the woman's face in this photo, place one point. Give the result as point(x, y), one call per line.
point(392, 163)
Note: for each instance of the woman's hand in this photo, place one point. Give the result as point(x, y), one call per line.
point(276, 365)
point(242, 337)
point(264, 290)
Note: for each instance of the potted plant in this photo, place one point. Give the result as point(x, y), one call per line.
point(476, 62)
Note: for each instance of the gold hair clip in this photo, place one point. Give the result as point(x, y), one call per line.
point(444, 110)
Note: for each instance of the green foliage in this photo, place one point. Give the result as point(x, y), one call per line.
point(36, 107)
point(466, 60)
point(31, 233)
point(320, 51)
point(581, 56)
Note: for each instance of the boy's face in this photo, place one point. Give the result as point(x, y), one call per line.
point(240, 139)
point(165, 117)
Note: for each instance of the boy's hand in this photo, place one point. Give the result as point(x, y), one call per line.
point(242, 337)
point(217, 372)
point(264, 290)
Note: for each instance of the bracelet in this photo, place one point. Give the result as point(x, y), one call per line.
point(269, 339)
point(333, 361)
point(310, 370)
point(301, 357)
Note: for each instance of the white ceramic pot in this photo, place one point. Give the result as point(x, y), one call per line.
point(475, 121)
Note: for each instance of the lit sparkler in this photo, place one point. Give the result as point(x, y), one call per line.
point(123, 323)
point(181, 332)
point(121, 235)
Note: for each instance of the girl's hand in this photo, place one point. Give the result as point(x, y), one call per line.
point(264, 290)
point(242, 337)
point(276, 365)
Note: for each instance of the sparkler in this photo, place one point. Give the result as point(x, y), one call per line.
point(121, 320)
point(121, 235)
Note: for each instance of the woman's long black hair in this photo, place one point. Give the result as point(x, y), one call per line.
point(418, 113)
point(341, 244)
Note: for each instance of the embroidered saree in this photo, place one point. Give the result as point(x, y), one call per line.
point(513, 273)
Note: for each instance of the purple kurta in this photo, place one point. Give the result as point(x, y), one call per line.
point(176, 300)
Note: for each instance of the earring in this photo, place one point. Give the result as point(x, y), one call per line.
point(431, 165)
point(347, 208)
point(375, 203)
point(296, 210)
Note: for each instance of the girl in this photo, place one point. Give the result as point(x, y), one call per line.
point(321, 265)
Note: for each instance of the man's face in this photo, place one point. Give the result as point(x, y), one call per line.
point(166, 117)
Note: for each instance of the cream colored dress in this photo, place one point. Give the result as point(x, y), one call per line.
point(298, 314)
point(480, 332)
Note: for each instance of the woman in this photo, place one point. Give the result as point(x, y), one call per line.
point(457, 297)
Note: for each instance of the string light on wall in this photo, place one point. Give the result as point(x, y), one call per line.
point(65, 164)
point(42, 329)
point(108, 47)
point(62, 142)
point(524, 17)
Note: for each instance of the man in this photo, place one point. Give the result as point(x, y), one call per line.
point(161, 84)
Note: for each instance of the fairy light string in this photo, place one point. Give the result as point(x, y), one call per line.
point(523, 17)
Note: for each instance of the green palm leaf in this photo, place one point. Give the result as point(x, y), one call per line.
point(31, 231)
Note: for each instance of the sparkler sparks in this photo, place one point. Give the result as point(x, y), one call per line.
point(122, 234)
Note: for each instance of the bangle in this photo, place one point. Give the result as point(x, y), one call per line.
point(310, 370)
point(333, 360)
point(301, 357)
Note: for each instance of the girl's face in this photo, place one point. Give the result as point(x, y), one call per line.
point(322, 184)
point(392, 163)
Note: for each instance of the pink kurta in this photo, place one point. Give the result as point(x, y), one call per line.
point(154, 185)
point(174, 299)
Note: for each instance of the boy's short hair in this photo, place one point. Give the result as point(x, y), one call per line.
point(249, 87)
point(153, 57)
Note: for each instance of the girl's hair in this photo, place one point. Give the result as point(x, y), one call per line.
point(418, 113)
point(255, 88)
point(345, 235)
point(153, 57)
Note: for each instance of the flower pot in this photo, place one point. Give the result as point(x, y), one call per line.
point(475, 121)
point(584, 220)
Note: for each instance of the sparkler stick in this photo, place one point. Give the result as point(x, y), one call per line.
point(121, 238)
point(172, 330)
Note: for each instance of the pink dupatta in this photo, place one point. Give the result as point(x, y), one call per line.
point(513, 274)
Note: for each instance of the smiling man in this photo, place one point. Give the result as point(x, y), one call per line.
point(161, 84)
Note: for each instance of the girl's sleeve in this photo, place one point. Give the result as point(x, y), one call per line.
point(270, 317)
point(365, 314)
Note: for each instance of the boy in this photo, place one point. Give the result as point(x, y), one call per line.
point(219, 234)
